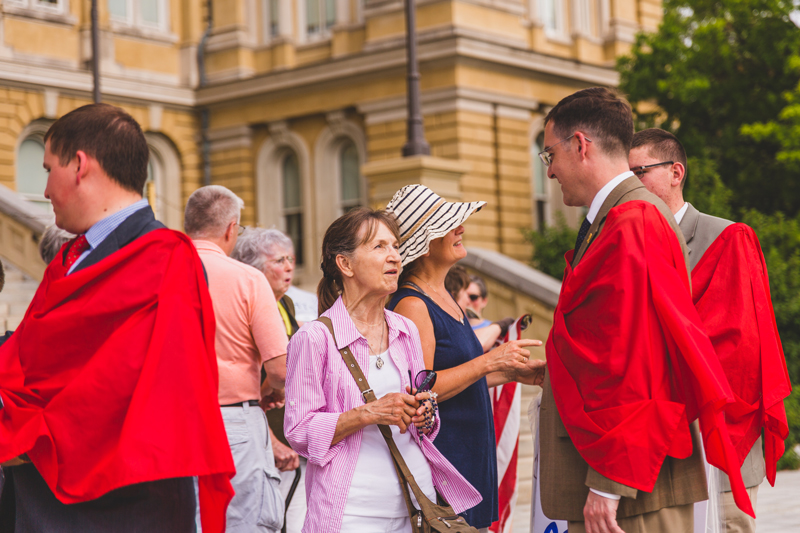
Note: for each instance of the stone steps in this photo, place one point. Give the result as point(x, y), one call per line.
point(15, 297)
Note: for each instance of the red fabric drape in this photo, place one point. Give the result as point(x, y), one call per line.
point(731, 293)
point(629, 361)
point(111, 378)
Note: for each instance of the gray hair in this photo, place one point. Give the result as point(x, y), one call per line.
point(256, 244)
point(52, 240)
point(477, 280)
point(209, 211)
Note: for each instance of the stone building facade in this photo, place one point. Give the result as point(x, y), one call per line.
point(288, 102)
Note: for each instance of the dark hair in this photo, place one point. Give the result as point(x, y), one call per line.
point(343, 237)
point(108, 134)
point(477, 280)
point(601, 114)
point(456, 280)
point(662, 145)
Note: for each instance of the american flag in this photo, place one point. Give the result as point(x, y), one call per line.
point(506, 405)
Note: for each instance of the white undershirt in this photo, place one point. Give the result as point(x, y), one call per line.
point(375, 490)
point(681, 212)
point(603, 193)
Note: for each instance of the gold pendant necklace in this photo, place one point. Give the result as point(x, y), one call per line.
point(379, 361)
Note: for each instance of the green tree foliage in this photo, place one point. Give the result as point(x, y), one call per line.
point(705, 190)
point(785, 131)
point(550, 245)
point(713, 67)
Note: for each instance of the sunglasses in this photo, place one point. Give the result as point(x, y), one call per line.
point(424, 380)
point(474, 297)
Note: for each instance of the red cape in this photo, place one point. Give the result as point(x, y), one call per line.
point(731, 293)
point(629, 361)
point(111, 378)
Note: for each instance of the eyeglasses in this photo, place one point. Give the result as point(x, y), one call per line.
point(547, 157)
point(641, 171)
point(241, 229)
point(424, 380)
point(290, 259)
point(474, 297)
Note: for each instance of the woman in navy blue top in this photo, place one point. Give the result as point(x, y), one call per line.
point(431, 232)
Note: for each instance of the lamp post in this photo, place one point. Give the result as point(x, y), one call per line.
point(95, 55)
point(416, 143)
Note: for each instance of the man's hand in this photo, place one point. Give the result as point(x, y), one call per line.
point(601, 514)
point(533, 373)
point(273, 399)
point(286, 459)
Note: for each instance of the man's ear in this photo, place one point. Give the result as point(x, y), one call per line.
point(81, 160)
point(678, 174)
point(345, 266)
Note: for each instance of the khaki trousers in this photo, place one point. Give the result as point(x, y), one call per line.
point(736, 521)
point(678, 519)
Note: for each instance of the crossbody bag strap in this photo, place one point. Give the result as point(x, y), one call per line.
point(369, 396)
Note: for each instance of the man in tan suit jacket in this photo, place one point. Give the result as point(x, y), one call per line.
point(659, 159)
point(587, 139)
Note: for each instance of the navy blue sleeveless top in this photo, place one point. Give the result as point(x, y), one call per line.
point(466, 437)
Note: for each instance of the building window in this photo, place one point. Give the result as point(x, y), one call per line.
point(143, 13)
point(320, 17)
point(31, 175)
point(50, 6)
point(552, 16)
point(272, 13)
point(293, 203)
point(350, 173)
point(540, 184)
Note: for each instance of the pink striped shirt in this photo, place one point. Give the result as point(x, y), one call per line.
point(319, 387)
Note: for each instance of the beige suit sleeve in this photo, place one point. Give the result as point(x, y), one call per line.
point(596, 481)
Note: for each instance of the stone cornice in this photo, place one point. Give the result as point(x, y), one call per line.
point(80, 81)
point(452, 47)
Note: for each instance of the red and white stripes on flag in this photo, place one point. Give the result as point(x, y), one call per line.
point(506, 405)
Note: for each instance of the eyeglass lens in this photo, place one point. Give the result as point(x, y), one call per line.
point(425, 380)
point(474, 297)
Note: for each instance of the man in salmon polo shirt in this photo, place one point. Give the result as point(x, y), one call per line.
point(250, 333)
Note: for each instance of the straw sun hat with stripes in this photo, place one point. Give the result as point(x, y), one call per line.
point(423, 216)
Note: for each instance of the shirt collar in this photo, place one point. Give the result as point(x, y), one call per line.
point(208, 246)
point(681, 212)
point(346, 331)
point(601, 196)
point(103, 228)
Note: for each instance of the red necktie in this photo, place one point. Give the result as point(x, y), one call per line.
point(78, 246)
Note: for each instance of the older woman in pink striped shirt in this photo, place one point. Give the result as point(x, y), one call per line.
point(351, 483)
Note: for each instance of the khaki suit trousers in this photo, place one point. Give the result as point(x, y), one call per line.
point(678, 519)
point(736, 521)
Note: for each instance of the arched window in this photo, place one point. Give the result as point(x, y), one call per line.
point(151, 187)
point(293, 203)
point(31, 176)
point(540, 185)
point(350, 173)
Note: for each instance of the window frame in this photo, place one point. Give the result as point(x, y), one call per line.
point(541, 200)
point(133, 17)
point(326, 31)
point(299, 210)
point(37, 6)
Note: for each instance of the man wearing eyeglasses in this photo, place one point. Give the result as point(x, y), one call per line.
point(731, 293)
point(618, 450)
point(249, 335)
